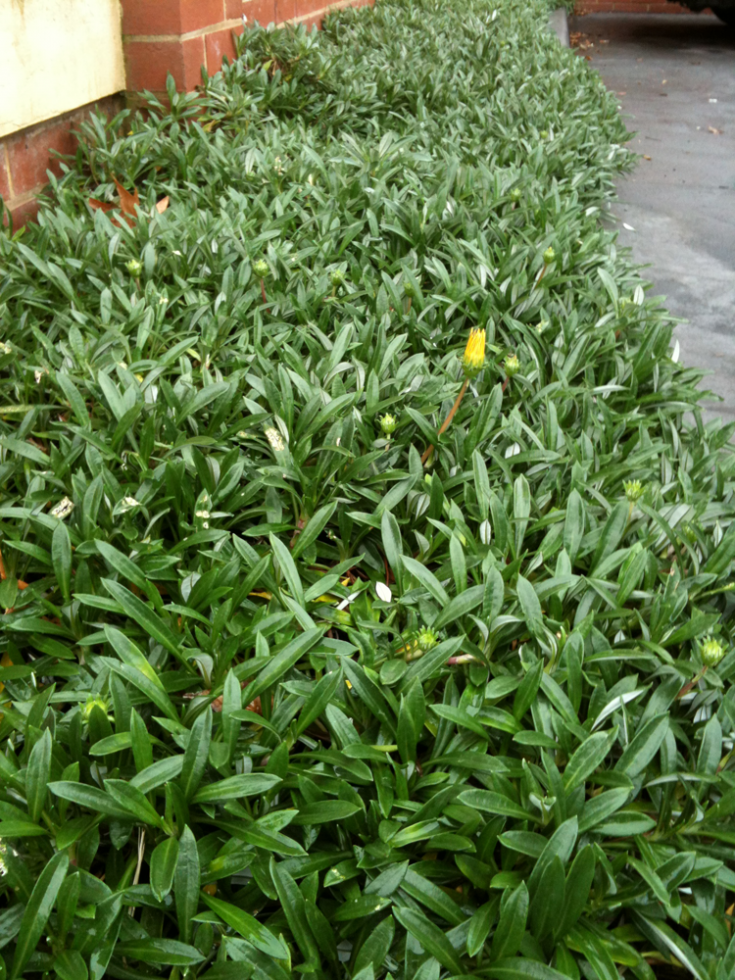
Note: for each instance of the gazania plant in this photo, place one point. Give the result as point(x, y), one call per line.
point(366, 556)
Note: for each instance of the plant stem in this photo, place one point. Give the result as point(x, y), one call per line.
point(262, 290)
point(448, 419)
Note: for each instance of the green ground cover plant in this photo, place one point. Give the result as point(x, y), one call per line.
point(285, 689)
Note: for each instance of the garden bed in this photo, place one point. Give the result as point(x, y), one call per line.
point(366, 561)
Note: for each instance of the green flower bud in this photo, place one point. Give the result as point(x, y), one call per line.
point(549, 255)
point(516, 194)
point(408, 288)
point(134, 267)
point(633, 490)
point(260, 268)
point(712, 652)
point(336, 277)
point(388, 424)
point(92, 702)
point(544, 134)
point(512, 365)
point(427, 639)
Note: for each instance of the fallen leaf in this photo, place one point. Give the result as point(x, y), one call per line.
point(628, 227)
point(717, 132)
point(162, 205)
point(646, 157)
point(128, 202)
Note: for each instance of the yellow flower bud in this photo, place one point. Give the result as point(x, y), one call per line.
point(474, 354)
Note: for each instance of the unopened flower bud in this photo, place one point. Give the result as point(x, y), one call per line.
point(516, 194)
point(712, 652)
point(549, 255)
point(388, 424)
point(260, 268)
point(336, 277)
point(427, 639)
point(633, 490)
point(512, 365)
point(134, 267)
point(474, 354)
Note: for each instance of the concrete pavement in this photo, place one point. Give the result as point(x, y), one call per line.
point(675, 78)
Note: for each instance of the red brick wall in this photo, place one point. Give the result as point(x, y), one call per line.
point(179, 36)
point(25, 157)
point(631, 7)
point(159, 36)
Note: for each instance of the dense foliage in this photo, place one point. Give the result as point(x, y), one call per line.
point(278, 695)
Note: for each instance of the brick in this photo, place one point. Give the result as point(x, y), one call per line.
point(233, 8)
point(219, 44)
point(4, 176)
point(304, 7)
point(264, 11)
point(194, 56)
point(196, 14)
point(151, 17)
point(148, 63)
point(285, 10)
point(29, 153)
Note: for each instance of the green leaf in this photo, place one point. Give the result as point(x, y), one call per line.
point(283, 661)
point(288, 569)
point(169, 952)
point(236, 787)
point(426, 578)
point(38, 910)
point(433, 939)
point(89, 797)
point(131, 799)
point(37, 775)
point(196, 754)
point(588, 757)
point(326, 811)
point(488, 802)
point(144, 616)
point(292, 903)
point(520, 968)
point(376, 946)
point(530, 606)
point(643, 746)
point(577, 891)
point(512, 924)
point(248, 927)
point(314, 527)
point(186, 884)
point(70, 965)
point(459, 606)
point(163, 867)
point(61, 557)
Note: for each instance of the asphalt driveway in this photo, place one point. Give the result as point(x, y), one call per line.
point(675, 78)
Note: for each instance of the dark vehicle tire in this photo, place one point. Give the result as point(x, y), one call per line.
point(726, 14)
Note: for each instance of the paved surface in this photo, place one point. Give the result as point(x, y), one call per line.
point(675, 78)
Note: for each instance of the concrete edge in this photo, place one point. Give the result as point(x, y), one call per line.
point(559, 24)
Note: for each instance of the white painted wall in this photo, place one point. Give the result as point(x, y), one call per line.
point(56, 55)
